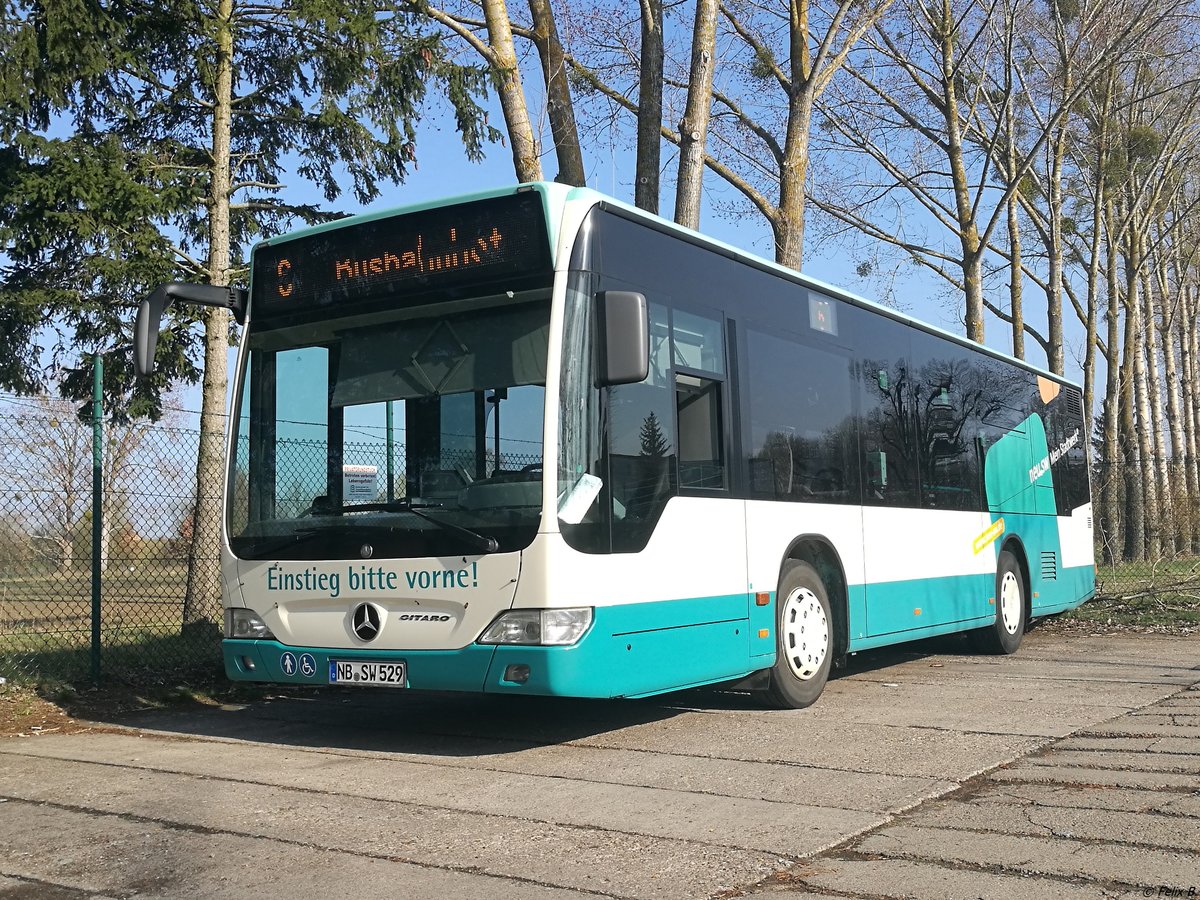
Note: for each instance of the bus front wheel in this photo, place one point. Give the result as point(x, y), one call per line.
point(803, 639)
point(1003, 636)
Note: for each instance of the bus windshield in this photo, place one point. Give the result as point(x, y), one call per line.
point(401, 433)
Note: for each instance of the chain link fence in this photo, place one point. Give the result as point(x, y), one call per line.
point(159, 600)
point(48, 545)
point(1148, 543)
point(1147, 527)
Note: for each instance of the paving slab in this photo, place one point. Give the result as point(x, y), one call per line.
point(820, 787)
point(1112, 797)
point(1188, 763)
point(790, 737)
point(786, 828)
point(915, 880)
point(1029, 772)
point(1119, 743)
point(562, 856)
point(1188, 805)
point(96, 855)
point(1070, 858)
point(1098, 824)
point(1146, 726)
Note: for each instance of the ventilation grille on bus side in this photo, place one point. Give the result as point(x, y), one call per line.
point(1049, 565)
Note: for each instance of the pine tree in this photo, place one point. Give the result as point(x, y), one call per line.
point(180, 118)
point(654, 442)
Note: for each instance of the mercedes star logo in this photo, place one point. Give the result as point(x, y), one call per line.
point(366, 622)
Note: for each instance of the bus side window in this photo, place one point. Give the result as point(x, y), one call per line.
point(957, 389)
point(801, 420)
point(642, 447)
point(701, 435)
point(886, 421)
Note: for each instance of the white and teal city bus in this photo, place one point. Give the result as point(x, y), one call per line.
point(536, 441)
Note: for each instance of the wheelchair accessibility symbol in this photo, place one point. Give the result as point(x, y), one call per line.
point(308, 665)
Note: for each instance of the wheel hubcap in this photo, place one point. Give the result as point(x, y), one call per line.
point(804, 632)
point(1010, 602)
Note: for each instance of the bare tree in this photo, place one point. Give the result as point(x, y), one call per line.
point(649, 107)
point(50, 461)
point(693, 127)
point(927, 111)
point(779, 57)
point(559, 106)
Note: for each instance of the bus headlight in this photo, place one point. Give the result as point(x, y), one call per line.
point(245, 624)
point(557, 627)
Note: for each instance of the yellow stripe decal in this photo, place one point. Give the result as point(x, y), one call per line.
point(994, 531)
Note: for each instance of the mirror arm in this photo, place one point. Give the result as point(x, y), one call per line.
point(150, 313)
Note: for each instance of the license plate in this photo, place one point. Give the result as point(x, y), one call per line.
point(368, 673)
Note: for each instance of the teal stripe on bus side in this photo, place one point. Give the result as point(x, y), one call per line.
point(898, 607)
point(640, 649)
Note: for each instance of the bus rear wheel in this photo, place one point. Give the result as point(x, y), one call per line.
point(1004, 635)
point(803, 640)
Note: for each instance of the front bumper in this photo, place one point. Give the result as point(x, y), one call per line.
point(629, 651)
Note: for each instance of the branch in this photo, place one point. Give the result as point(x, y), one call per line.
point(762, 53)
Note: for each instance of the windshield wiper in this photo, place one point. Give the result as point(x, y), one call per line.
point(296, 537)
point(485, 542)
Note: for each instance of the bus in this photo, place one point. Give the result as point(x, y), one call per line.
point(537, 441)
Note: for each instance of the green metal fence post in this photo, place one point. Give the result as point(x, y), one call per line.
point(391, 456)
point(97, 503)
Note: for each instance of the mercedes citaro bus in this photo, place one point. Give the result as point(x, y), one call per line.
point(537, 441)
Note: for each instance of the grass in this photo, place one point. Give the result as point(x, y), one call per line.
point(143, 656)
point(45, 626)
point(1159, 596)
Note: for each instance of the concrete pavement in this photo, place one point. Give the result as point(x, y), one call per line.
point(1069, 770)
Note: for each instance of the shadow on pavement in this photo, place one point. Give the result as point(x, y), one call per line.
point(452, 724)
point(438, 724)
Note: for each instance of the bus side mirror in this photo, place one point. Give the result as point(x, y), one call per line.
point(150, 313)
point(623, 321)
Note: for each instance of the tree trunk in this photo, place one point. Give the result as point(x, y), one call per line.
point(202, 599)
point(1110, 483)
point(1054, 273)
point(650, 105)
point(1093, 311)
point(526, 161)
point(1181, 497)
point(1015, 305)
point(1160, 511)
point(789, 226)
point(968, 231)
point(1133, 520)
point(972, 266)
point(693, 129)
point(66, 553)
point(1191, 414)
point(558, 95)
point(1144, 513)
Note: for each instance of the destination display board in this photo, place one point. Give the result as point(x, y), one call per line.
point(394, 259)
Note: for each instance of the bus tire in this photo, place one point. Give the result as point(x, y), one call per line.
point(1004, 635)
point(803, 639)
